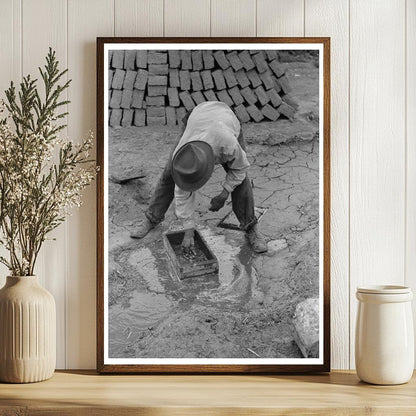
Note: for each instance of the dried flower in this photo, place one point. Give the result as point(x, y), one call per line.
point(42, 176)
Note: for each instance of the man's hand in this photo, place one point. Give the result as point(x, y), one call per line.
point(218, 201)
point(188, 244)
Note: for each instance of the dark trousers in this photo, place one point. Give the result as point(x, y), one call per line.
point(241, 197)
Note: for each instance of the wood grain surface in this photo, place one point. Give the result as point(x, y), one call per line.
point(138, 18)
point(378, 35)
point(410, 139)
point(280, 18)
point(233, 18)
point(80, 264)
point(377, 170)
point(183, 18)
point(44, 25)
point(331, 18)
point(85, 393)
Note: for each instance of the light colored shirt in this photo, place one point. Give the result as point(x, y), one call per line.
point(215, 123)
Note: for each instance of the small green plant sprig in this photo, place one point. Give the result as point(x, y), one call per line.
point(42, 176)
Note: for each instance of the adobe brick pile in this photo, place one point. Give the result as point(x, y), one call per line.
point(159, 87)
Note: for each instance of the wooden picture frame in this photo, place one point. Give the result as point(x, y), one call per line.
point(193, 366)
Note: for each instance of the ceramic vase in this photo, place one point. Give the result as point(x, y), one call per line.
point(384, 340)
point(27, 331)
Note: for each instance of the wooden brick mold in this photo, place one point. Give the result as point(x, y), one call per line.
point(148, 88)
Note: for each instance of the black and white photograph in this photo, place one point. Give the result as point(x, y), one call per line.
point(213, 204)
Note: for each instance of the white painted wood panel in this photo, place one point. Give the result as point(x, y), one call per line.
point(138, 17)
point(44, 25)
point(84, 26)
point(377, 147)
point(411, 149)
point(187, 18)
point(10, 68)
point(330, 18)
point(10, 44)
point(280, 18)
point(233, 18)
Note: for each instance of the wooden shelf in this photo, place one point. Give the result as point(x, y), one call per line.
point(86, 393)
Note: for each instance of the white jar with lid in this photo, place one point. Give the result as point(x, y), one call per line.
point(384, 341)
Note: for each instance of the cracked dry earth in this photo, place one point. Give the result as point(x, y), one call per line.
point(246, 312)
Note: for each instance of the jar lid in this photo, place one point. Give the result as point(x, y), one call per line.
point(384, 289)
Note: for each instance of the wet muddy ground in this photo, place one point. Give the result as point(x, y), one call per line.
point(245, 311)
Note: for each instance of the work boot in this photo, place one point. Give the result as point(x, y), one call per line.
point(143, 229)
point(257, 241)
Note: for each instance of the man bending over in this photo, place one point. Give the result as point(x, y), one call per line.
point(212, 136)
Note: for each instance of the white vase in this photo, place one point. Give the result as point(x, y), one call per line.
point(27, 331)
point(384, 341)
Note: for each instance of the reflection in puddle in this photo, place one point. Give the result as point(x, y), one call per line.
point(158, 294)
point(225, 252)
point(145, 263)
point(233, 277)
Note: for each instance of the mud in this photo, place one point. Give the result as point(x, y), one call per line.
point(245, 311)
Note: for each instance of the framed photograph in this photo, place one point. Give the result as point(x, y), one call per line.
point(213, 201)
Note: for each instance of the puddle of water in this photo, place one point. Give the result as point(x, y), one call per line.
point(233, 256)
point(147, 306)
point(226, 253)
point(143, 260)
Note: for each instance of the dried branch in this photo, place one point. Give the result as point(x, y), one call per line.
point(41, 175)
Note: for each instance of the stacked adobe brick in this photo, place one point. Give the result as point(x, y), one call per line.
point(158, 87)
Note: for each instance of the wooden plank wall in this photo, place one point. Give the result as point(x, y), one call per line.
point(373, 132)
